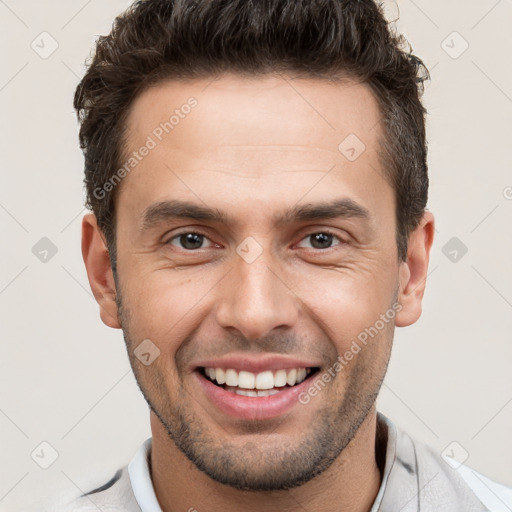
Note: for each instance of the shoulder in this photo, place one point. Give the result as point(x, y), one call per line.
point(497, 497)
point(446, 476)
point(418, 477)
point(114, 495)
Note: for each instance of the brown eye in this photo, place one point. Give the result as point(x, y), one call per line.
point(321, 240)
point(188, 241)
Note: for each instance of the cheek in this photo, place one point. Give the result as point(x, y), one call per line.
point(163, 304)
point(345, 302)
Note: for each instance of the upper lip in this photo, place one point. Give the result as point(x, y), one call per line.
point(255, 364)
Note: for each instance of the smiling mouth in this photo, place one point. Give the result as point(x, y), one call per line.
point(266, 383)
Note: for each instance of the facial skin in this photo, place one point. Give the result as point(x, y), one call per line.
point(256, 149)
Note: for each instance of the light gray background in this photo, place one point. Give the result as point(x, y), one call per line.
point(65, 376)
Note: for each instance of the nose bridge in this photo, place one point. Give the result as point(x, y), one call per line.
point(254, 300)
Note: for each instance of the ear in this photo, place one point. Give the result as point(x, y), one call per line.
point(99, 270)
point(413, 272)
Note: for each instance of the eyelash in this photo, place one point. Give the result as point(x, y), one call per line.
point(324, 232)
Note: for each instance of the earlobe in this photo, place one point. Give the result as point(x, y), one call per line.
point(413, 272)
point(99, 270)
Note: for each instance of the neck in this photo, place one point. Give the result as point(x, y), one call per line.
point(350, 484)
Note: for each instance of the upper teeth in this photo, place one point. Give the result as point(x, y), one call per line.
point(263, 380)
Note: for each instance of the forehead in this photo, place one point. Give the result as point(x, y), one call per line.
point(257, 108)
point(236, 138)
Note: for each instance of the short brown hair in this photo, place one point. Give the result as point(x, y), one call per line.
point(160, 39)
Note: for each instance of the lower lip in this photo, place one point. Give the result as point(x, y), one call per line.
point(252, 408)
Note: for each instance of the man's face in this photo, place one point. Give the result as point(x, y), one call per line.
point(259, 288)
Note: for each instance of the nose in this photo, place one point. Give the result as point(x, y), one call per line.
point(254, 299)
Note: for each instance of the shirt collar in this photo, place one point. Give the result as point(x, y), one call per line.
point(139, 470)
point(385, 452)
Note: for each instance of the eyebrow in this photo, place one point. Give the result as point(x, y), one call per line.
point(177, 209)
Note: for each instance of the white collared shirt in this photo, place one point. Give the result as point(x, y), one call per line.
point(415, 479)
